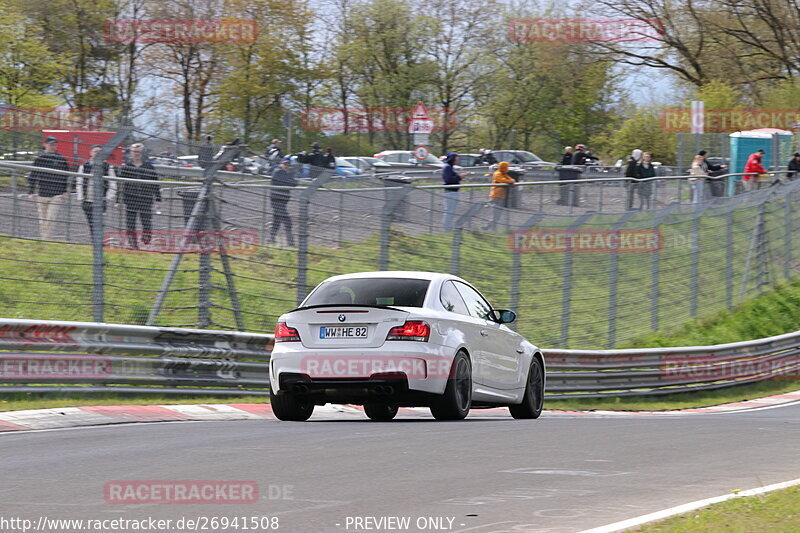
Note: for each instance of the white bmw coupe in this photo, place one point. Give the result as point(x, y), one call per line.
point(390, 339)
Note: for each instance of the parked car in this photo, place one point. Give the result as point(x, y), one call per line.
point(390, 339)
point(467, 160)
point(521, 158)
point(406, 159)
point(344, 169)
point(368, 164)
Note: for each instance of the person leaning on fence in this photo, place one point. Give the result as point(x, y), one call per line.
point(47, 189)
point(698, 180)
point(716, 187)
point(139, 198)
point(644, 189)
point(279, 200)
point(450, 177)
point(754, 173)
point(273, 155)
point(793, 166)
point(566, 157)
point(498, 195)
point(632, 171)
point(85, 186)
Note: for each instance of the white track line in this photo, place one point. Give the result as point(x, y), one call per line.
point(687, 507)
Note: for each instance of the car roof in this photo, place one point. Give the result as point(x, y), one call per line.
point(402, 274)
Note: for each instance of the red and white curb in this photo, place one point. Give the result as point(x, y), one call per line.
point(688, 507)
point(66, 417)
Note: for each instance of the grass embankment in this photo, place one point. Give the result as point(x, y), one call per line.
point(776, 512)
point(773, 313)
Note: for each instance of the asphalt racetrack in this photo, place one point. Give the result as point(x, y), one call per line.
point(340, 472)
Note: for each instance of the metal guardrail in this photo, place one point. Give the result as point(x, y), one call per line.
point(123, 358)
point(144, 359)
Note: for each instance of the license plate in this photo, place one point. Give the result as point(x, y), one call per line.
point(342, 332)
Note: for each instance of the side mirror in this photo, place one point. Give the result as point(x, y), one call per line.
point(505, 316)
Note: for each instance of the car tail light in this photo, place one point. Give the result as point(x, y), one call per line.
point(284, 333)
point(412, 330)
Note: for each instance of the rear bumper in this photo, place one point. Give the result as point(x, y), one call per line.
point(386, 388)
point(338, 373)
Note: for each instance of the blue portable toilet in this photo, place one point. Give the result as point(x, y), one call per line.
point(776, 143)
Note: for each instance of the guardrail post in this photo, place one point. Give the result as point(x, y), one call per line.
point(695, 261)
point(787, 237)
point(729, 259)
point(303, 233)
point(516, 265)
point(455, 252)
point(14, 203)
point(204, 268)
point(612, 283)
point(566, 290)
point(209, 175)
point(98, 222)
point(393, 199)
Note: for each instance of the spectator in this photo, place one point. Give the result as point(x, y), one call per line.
point(487, 157)
point(85, 186)
point(450, 177)
point(205, 155)
point(753, 171)
point(50, 188)
point(329, 159)
point(499, 194)
point(717, 186)
point(644, 171)
point(139, 198)
point(697, 181)
point(582, 156)
point(632, 171)
point(315, 160)
point(273, 154)
point(279, 199)
point(794, 165)
point(566, 158)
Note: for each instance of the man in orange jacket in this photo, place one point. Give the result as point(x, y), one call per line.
point(498, 195)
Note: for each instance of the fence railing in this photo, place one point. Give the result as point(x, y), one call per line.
point(232, 251)
point(93, 357)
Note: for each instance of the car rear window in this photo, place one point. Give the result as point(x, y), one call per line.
point(370, 291)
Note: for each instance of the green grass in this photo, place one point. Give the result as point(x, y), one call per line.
point(776, 512)
point(682, 400)
point(21, 401)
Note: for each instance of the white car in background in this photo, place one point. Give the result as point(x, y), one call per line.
point(390, 339)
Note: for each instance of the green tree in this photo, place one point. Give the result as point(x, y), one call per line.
point(640, 130)
point(260, 76)
point(28, 68)
point(386, 51)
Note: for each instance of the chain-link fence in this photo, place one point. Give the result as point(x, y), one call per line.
point(218, 249)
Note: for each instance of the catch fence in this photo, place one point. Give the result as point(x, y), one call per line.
point(593, 274)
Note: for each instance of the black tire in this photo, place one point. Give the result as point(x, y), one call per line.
point(454, 404)
point(380, 412)
point(290, 407)
point(533, 401)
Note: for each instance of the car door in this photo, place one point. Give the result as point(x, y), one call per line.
point(464, 325)
point(501, 357)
